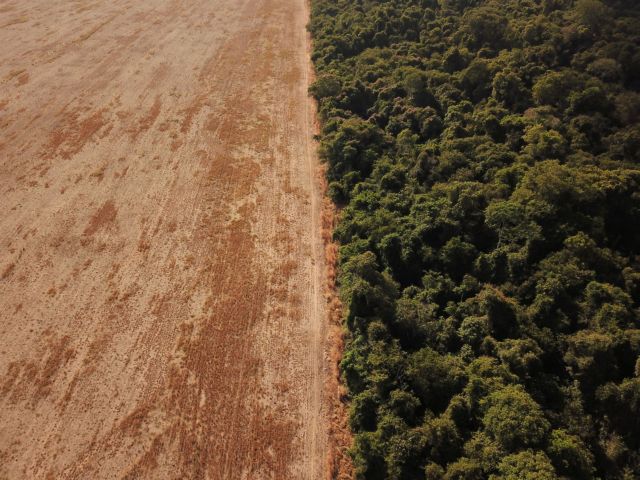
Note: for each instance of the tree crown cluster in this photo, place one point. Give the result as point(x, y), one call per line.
point(486, 158)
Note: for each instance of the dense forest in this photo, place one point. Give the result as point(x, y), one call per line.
point(485, 156)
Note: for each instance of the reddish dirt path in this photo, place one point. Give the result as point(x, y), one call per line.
point(161, 265)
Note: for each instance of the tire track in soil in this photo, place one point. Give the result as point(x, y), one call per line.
point(161, 264)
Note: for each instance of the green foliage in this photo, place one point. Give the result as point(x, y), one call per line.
point(592, 14)
point(326, 86)
point(484, 154)
point(435, 378)
point(554, 88)
point(526, 465)
point(570, 456)
point(514, 419)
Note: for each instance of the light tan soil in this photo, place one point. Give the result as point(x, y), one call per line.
point(162, 308)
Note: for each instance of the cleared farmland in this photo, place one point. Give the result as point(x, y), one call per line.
point(162, 303)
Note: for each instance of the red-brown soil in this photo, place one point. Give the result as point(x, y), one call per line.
point(163, 311)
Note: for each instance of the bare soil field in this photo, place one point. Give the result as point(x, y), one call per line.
point(162, 304)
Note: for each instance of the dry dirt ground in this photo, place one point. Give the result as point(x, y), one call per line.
point(161, 265)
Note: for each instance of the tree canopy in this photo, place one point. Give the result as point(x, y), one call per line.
point(485, 158)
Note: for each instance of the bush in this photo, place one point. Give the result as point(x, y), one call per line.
point(514, 419)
